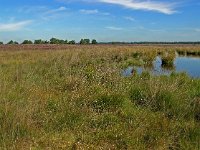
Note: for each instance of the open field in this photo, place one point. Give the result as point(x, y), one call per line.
point(74, 97)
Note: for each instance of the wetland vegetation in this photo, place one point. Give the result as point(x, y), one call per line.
point(76, 97)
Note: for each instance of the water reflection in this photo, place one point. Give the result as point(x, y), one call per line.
point(190, 65)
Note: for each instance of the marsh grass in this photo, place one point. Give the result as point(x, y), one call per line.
point(168, 59)
point(76, 98)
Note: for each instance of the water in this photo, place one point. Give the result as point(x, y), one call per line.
point(128, 71)
point(189, 65)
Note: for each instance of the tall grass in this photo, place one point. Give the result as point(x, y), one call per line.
point(76, 98)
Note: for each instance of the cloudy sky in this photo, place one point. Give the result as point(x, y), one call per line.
point(104, 20)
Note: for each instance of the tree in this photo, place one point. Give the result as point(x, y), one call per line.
point(72, 42)
point(94, 41)
point(12, 42)
point(61, 42)
point(46, 42)
point(58, 41)
point(54, 41)
point(85, 41)
point(40, 42)
point(1, 43)
point(66, 42)
point(27, 42)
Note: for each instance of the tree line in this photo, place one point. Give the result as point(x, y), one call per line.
point(53, 41)
point(87, 41)
point(186, 42)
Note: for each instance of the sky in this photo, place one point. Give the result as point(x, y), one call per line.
point(104, 20)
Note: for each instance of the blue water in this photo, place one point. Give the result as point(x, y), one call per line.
point(128, 71)
point(189, 65)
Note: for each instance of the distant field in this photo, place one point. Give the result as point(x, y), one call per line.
point(75, 97)
point(66, 46)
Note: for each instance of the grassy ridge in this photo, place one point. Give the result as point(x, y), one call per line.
point(76, 98)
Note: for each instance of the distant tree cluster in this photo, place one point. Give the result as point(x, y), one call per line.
point(12, 42)
point(85, 41)
point(197, 42)
point(58, 41)
point(88, 41)
point(94, 41)
point(27, 42)
point(54, 41)
point(41, 42)
point(72, 42)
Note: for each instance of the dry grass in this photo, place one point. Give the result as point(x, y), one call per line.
point(76, 98)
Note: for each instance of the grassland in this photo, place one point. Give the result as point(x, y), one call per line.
point(74, 97)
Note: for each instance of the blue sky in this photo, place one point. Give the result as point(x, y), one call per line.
point(104, 20)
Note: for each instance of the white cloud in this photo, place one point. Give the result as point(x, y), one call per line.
point(52, 11)
point(149, 5)
point(32, 9)
point(14, 26)
point(84, 11)
point(114, 28)
point(41, 9)
point(93, 11)
point(162, 7)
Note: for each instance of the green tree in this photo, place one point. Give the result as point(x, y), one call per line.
point(12, 42)
point(1, 43)
point(40, 42)
point(66, 42)
point(94, 41)
point(61, 41)
point(46, 42)
point(27, 42)
point(85, 41)
point(54, 41)
point(72, 42)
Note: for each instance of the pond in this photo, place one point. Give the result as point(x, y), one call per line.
point(187, 64)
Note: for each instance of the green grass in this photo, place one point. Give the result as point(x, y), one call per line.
point(77, 99)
